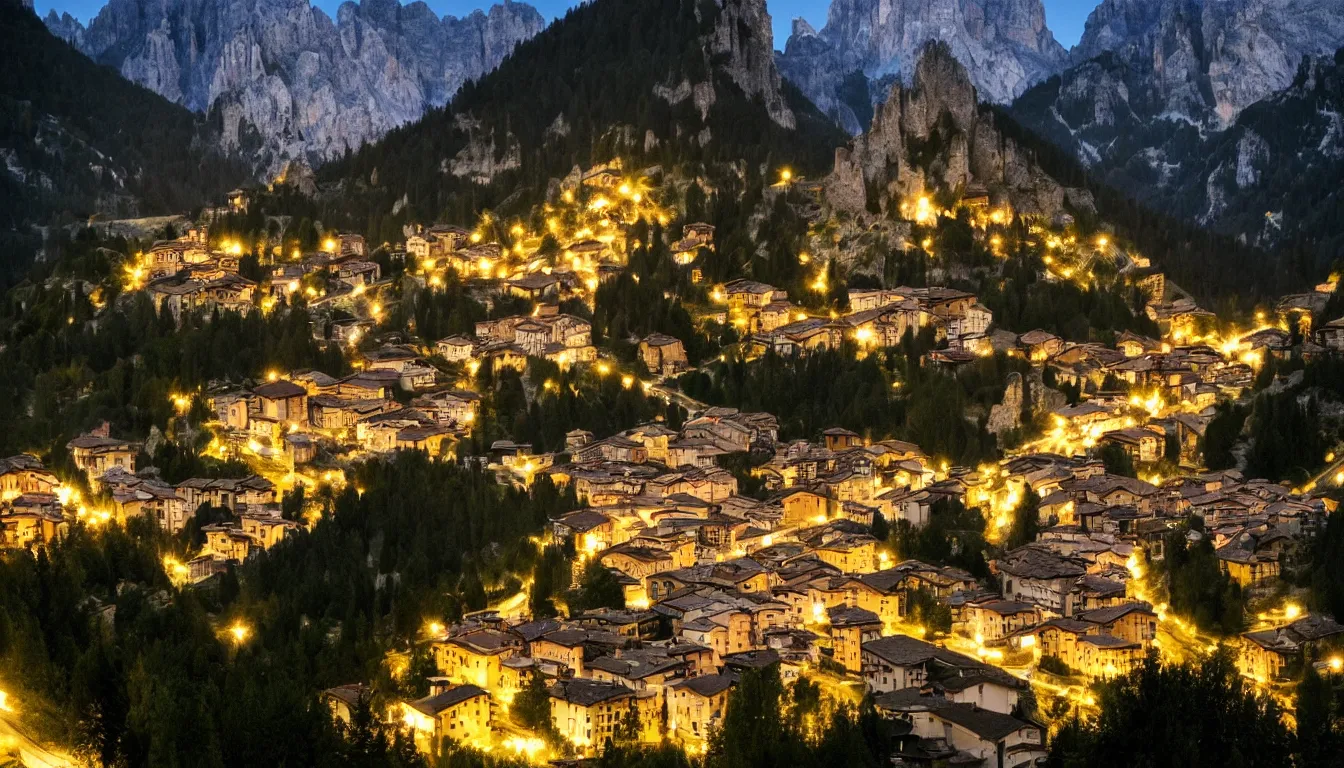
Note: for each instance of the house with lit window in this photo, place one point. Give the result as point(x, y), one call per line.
point(476, 657)
point(588, 712)
point(696, 706)
point(283, 401)
point(95, 454)
point(457, 712)
point(850, 628)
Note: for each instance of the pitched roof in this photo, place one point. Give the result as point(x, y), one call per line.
point(433, 705)
point(279, 389)
point(586, 692)
point(985, 723)
point(708, 685)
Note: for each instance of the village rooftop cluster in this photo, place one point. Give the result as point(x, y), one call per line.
point(715, 582)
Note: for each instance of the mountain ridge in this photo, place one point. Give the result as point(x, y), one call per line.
point(286, 82)
point(1006, 46)
point(663, 83)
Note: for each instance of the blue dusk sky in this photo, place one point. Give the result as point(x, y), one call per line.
point(1064, 17)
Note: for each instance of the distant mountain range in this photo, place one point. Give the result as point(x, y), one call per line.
point(1150, 101)
point(283, 81)
point(1197, 107)
point(1004, 45)
point(76, 139)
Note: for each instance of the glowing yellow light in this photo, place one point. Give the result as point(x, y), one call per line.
point(1102, 241)
point(329, 245)
point(603, 368)
point(1336, 663)
point(1291, 611)
point(786, 175)
point(627, 381)
point(475, 237)
point(923, 210)
point(239, 632)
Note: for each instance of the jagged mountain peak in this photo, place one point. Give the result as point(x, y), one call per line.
point(289, 83)
point(1005, 46)
point(933, 135)
point(1206, 60)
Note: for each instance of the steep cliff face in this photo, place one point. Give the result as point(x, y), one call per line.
point(1273, 175)
point(743, 35)
point(1004, 45)
point(685, 84)
point(86, 141)
point(1209, 59)
point(1151, 79)
point(932, 136)
point(1153, 104)
point(289, 83)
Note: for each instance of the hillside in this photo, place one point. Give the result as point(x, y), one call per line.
point(78, 139)
point(1268, 178)
point(669, 82)
point(935, 137)
point(1273, 176)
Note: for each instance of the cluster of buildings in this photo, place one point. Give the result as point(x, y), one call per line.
point(876, 318)
point(717, 583)
point(36, 507)
point(289, 419)
point(187, 274)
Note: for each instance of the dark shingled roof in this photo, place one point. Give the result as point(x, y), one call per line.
point(279, 389)
point(433, 705)
point(984, 723)
point(708, 685)
point(587, 692)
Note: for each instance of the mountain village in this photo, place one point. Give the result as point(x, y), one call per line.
point(716, 582)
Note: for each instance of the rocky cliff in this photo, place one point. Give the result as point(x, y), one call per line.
point(1206, 60)
point(1272, 177)
point(1154, 100)
point(285, 80)
point(933, 136)
point(648, 84)
point(86, 141)
point(1004, 45)
point(1151, 79)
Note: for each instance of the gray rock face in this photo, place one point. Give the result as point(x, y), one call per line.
point(1206, 60)
point(744, 36)
point(1199, 107)
point(65, 26)
point(1004, 44)
point(937, 120)
point(288, 82)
